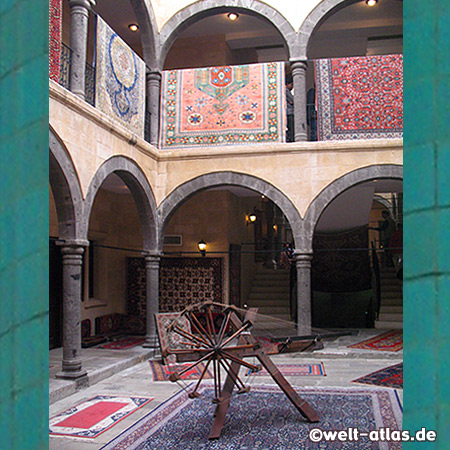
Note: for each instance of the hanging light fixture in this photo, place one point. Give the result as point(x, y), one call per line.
point(202, 247)
point(371, 2)
point(232, 16)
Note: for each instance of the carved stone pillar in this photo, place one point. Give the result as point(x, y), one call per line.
point(298, 69)
point(303, 265)
point(79, 12)
point(72, 260)
point(152, 275)
point(153, 99)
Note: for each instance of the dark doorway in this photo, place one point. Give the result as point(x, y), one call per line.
point(55, 295)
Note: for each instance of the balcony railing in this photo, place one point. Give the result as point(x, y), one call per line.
point(89, 86)
point(64, 74)
point(64, 66)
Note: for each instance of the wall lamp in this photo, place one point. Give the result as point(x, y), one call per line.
point(232, 16)
point(202, 247)
point(133, 27)
point(251, 217)
point(371, 2)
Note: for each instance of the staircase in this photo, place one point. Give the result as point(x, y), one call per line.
point(391, 310)
point(270, 294)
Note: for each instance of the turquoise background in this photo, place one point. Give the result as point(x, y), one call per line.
point(427, 219)
point(24, 224)
point(24, 221)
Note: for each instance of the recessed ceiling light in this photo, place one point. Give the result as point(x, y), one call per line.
point(133, 27)
point(371, 2)
point(232, 16)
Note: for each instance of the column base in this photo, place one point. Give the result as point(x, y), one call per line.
point(151, 342)
point(71, 374)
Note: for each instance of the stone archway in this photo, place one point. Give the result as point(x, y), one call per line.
point(136, 181)
point(201, 9)
point(149, 36)
point(69, 206)
point(190, 188)
point(320, 13)
point(338, 186)
point(179, 195)
point(66, 188)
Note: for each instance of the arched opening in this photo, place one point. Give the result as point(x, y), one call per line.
point(64, 220)
point(217, 209)
point(215, 40)
point(341, 29)
point(119, 223)
point(355, 282)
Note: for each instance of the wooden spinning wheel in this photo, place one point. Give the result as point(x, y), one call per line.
point(219, 335)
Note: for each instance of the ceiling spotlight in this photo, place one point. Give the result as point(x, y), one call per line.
point(133, 27)
point(371, 2)
point(232, 16)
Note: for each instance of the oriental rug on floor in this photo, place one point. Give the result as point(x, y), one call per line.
point(293, 370)
point(161, 372)
point(264, 419)
point(360, 97)
point(95, 416)
point(391, 341)
point(225, 105)
point(124, 343)
point(391, 376)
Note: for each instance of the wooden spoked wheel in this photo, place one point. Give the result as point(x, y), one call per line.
point(219, 336)
point(213, 338)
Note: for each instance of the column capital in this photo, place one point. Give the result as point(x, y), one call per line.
point(152, 260)
point(298, 64)
point(152, 75)
point(303, 259)
point(72, 243)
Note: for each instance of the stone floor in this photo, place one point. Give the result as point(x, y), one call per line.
point(127, 372)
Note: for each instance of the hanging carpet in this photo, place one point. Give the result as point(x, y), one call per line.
point(223, 106)
point(359, 97)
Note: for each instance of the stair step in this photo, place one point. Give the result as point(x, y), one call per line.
point(390, 295)
point(392, 302)
point(391, 317)
point(389, 325)
point(275, 289)
point(272, 296)
point(391, 309)
point(267, 281)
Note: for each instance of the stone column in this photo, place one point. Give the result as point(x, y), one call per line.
point(72, 260)
point(79, 12)
point(152, 275)
point(298, 69)
point(303, 265)
point(153, 99)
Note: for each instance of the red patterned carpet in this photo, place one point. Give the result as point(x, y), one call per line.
point(391, 341)
point(295, 370)
point(162, 372)
point(391, 376)
point(94, 416)
point(124, 343)
point(360, 97)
